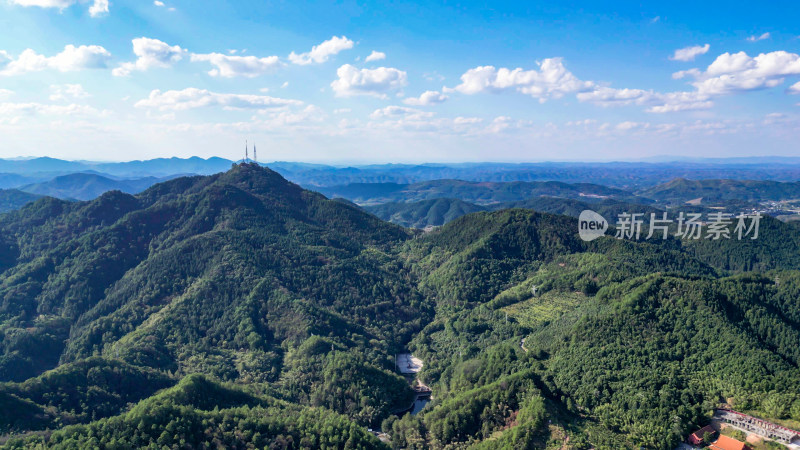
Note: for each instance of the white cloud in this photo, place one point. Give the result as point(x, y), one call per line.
point(98, 8)
point(795, 88)
point(690, 53)
point(285, 85)
point(158, 3)
point(658, 102)
point(759, 38)
point(625, 126)
point(322, 52)
point(375, 56)
point(191, 98)
point(739, 72)
point(70, 59)
point(5, 93)
point(399, 111)
point(606, 96)
point(150, 53)
point(60, 4)
point(374, 82)
point(307, 115)
point(427, 98)
point(238, 66)
point(552, 80)
point(404, 119)
point(15, 109)
point(67, 92)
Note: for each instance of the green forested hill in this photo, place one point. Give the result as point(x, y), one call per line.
point(681, 190)
point(482, 193)
point(11, 199)
point(434, 212)
point(239, 308)
point(437, 212)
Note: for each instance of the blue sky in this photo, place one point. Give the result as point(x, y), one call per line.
point(353, 82)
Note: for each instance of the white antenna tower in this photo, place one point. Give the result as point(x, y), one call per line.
point(255, 155)
point(246, 155)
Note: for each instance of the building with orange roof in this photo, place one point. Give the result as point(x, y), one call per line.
point(728, 443)
point(696, 438)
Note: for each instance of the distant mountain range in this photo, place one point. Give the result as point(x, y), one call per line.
point(440, 211)
point(475, 192)
point(87, 186)
point(681, 190)
point(630, 175)
point(488, 185)
point(39, 168)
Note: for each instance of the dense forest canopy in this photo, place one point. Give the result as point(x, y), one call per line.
point(239, 310)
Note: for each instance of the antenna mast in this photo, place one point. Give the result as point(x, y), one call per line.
point(255, 155)
point(246, 155)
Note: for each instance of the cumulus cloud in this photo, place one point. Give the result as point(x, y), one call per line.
point(427, 98)
point(191, 98)
point(399, 111)
point(551, 80)
point(322, 52)
point(158, 3)
point(758, 38)
point(65, 92)
point(656, 101)
point(97, 9)
point(150, 53)
point(375, 56)
point(795, 88)
point(401, 118)
point(729, 73)
point(5, 93)
point(238, 66)
point(374, 82)
point(690, 53)
point(740, 72)
point(72, 58)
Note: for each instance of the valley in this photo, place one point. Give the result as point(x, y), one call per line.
point(243, 282)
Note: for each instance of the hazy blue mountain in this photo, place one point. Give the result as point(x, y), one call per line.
point(44, 164)
point(38, 167)
point(166, 166)
point(13, 180)
point(87, 186)
point(630, 175)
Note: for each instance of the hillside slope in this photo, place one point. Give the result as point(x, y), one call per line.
point(293, 306)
